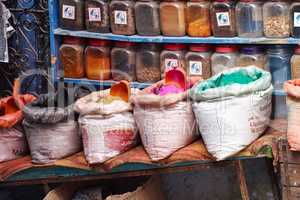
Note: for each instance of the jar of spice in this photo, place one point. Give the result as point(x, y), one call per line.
point(122, 19)
point(249, 18)
point(278, 63)
point(148, 63)
point(97, 59)
point(276, 19)
point(224, 58)
point(123, 61)
point(252, 55)
point(198, 61)
point(295, 64)
point(223, 18)
point(97, 16)
point(71, 57)
point(172, 17)
point(71, 14)
point(172, 57)
point(295, 19)
point(198, 18)
point(147, 18)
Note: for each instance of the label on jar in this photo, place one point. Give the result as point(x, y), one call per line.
point(296, 19)
point(223, 19)
point(195, 68)
point(68, 12)
point(94, 14)
point(171, 63)
point(120, 17)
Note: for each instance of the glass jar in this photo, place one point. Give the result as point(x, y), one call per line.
point(97, 16)
point(278, 63)
point(172, 57)
point(123, 61)
point(198, 18)
point(249, 18)
point(71, 57)
point(147, 18)
point(276, 19)
point(148, 63)
point(223, 18)
point(252, 55)
point(224, 58)
point(97, 59)
point(71, 14)
point(295, 19)
point(122, 19)
point(172, 18)
point(295, 64)
point(198, 61)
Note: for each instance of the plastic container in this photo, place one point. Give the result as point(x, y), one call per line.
point(252, 55)
point(147, 18)
point(223, 18)
point(276, 19)
point(295, 64)
point(97, 16)
point(198, 61)
point(148, 63)
point(198, 18)
point(172, 18)
point(171, 57)
point(278, 63)
point(71, 57)
point(249, 18)
point(224, 58)
point(71, 14)
point(295, 19)
point(123, 61)
point(122, 18)
point(97, 60)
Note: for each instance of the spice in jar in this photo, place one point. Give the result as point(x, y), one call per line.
point(71, 14)
point(97, 16)
point(148, 63)
point(198, 61)
point(123, 61)
point(223, 59)
point(295, 19)
point(122, 17)
point(198, 18)
point(97, 59)
point(172, 57)
point(172, 18)
point(223, 18)
point(252, 56)
point(295, 64)
point(71, 57)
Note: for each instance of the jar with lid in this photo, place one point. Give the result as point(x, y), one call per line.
point(198, 18)
point(172, 17)
point(224, 58)
point(276, 19)
point(71, 14)
point(71, 57)
point(249, 18)
point(97, 59)
point(123, 56)
point(278, 63)
point(295, 19)
point(122, 18)
point(198, 61)
point(97, 16)
point(147, 18)
point(148, 63)
point(223, 18)
point(252, 55)
point(295, 64)
point(171, 57)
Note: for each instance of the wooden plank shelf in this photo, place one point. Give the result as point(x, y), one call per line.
point(185, 39)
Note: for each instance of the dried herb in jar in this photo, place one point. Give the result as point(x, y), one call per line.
point(97, 16)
